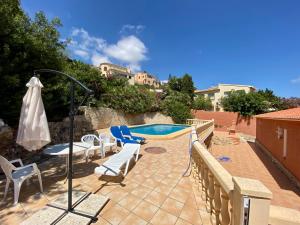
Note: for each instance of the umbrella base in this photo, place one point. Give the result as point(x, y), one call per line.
point(85, 208)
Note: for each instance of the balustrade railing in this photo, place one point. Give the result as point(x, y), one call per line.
point(214, 182)
point(196, 121)
point(223, 194)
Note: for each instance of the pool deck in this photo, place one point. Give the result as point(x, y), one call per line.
point(154, 191)
point(246, 160)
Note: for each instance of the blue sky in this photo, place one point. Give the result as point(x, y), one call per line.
point(244, 42)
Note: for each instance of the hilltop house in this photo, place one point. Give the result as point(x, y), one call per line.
point(110, 70)
point(216, 93)
point(146, 78)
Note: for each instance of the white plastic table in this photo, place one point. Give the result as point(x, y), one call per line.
point(63, 150)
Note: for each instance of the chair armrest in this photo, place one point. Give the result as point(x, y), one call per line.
point(114, 139)
point(17, 160)
point(127, 136)
point(35, 168)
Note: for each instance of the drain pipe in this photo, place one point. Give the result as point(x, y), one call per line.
point(191, 142)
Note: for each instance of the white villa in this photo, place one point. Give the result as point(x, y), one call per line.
point(216, 93)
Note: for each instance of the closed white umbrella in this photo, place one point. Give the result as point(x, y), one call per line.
point(33, 132)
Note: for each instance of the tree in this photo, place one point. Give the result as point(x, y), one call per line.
point(246, 104)
point(179, 112)
point(131, 99)
point(292, 102)
point(26, 45)
point(187, 85)
point(202, 103)
point(177, 105)
point(274, 102)
point(175, 83)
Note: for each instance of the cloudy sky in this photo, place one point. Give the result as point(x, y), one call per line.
point(254, 42)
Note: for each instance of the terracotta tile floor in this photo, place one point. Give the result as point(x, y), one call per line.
point(153, 192)
point(248, 161)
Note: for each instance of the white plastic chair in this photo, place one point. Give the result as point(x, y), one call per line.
point(107, 141)
point(90, 139)
point(18, 175)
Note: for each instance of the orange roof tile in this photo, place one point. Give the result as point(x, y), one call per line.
point(288, 114)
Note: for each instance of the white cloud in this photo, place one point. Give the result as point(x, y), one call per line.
point(129, 50)
point(132, 28)
point(97, 59)
point(81, 53)
point(134, 67)
point(87, 41)
point(296, 80)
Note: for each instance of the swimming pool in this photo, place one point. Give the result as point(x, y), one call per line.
point(159, 129)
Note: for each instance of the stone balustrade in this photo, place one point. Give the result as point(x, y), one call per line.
point(214, 182)
point(229, 200)
point(196, 121)
point(283, 216)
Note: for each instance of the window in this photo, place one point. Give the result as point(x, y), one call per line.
point(211, 95)
point(241, 91)
point(105, 68)
point(226, 93)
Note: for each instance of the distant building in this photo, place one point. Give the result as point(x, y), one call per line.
point(164, 82)
point(111, 70)
point(215, 94)
point(146, 78)
point(277, 133)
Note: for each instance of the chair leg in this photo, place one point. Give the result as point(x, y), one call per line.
point(6, 188)
point(17, 187)
point(86, 156)
point(127, 165)
point(40, 181)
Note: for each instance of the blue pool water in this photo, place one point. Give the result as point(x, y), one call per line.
point(158, 129)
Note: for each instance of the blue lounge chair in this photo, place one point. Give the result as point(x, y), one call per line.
point(116, 133)
point(126, 133)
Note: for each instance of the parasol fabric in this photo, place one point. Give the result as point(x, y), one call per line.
point(33, 132)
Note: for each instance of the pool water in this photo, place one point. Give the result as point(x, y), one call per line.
point(158, 129)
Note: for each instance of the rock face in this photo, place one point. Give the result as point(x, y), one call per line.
point(105, 117)
point(100, 118)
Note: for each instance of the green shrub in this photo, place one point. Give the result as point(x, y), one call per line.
point(177, 105)
point(249, 104)
point(178, 111)
point(130, 99)
point(202, 103)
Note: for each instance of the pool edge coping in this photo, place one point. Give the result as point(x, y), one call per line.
point(162, 137)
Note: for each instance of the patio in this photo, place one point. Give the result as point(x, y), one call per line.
point(246, 160)
point(153, 192)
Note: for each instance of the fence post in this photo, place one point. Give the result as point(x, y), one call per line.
point(251, 200)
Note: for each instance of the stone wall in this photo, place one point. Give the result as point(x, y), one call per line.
point(224, 120)
point(93, 119)
point(6, 138)
point(101, 118)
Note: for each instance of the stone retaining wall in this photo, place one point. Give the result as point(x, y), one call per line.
point(6, 138)
point(93, 119)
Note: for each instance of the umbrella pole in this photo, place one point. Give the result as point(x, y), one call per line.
point(70, 172)
point(72, 113)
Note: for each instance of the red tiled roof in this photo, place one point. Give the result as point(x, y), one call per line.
point(288, 114)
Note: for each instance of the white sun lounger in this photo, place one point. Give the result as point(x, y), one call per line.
point(112, 167)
